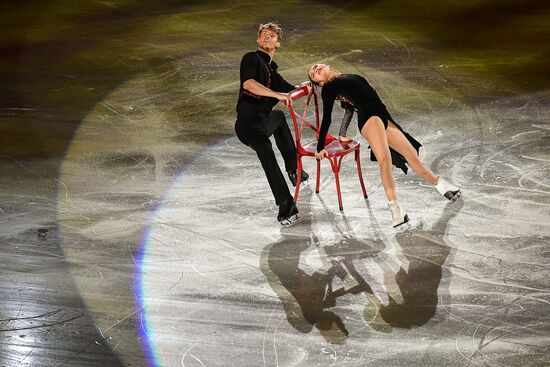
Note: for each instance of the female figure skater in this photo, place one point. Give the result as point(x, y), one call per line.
point(388, 142)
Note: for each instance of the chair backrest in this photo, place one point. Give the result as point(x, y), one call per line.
point(299, 120)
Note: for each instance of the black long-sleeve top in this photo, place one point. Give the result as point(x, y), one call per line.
point(346, 120)
point(355, 93)
point(259, 66)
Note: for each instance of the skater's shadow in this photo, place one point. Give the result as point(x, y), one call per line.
point(420, 281)
point(305, 292)
point(406, 296)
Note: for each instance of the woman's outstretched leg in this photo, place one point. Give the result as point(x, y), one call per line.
point(374, 132)
point(398, 142)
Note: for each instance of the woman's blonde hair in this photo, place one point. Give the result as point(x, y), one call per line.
point(315, 84)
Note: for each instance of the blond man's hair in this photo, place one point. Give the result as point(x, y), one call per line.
point(273, 27)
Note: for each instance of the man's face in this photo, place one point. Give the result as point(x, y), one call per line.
point(268, 40)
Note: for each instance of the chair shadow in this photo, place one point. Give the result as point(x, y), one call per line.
point(307, 294)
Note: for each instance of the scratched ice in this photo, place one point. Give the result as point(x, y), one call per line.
point(467, 282)
point(461, 282)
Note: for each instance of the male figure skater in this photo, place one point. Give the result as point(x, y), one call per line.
point(262, 87)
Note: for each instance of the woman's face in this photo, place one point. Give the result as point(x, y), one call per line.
point(319, 73)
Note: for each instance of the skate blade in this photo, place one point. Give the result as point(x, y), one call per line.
point(456, 197)
point(453, 196)
point(402, 224)
point(290, 220)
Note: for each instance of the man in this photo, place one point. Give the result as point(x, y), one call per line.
point(261, 88)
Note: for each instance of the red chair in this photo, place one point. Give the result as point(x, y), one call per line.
point(336, 149)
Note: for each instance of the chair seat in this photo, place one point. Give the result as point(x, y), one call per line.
point(334, 148)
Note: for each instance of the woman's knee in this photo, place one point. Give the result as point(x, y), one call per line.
point(384, 160)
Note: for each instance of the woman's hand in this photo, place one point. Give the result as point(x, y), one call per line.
point(283, 97)
point(322, 154)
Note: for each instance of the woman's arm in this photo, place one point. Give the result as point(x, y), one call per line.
point(328, 95)
point(348, 114)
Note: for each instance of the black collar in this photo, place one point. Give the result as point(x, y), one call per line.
point(267, 59)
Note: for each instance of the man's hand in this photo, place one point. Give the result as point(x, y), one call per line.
point(284, 98)
point(322, 154)
point(308, 86)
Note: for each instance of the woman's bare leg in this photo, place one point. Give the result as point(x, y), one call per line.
point(398, 142)
point(374, 132)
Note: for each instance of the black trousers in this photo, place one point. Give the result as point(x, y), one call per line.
point(254, 131)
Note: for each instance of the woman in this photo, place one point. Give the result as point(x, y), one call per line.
point(388, 142)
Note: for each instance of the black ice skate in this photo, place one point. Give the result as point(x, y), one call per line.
point(292, 175)
point(447, 189)
point(399, 216)
point(288, 213)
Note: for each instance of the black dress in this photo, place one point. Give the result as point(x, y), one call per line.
point(356, 94)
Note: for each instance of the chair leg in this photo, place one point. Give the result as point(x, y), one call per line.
point(358, 161)
point(336, 169)
point(318, 182)
point(298, 178)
